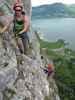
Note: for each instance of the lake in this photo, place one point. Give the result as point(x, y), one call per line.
point(57, 28)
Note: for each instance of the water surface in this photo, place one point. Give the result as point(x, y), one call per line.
point(58, 28)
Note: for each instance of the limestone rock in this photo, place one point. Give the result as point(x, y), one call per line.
point(25, 80)
point(1, 96)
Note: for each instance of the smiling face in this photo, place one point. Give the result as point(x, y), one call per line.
point(18, 11)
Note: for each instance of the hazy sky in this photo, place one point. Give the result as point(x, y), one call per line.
point(40, 2)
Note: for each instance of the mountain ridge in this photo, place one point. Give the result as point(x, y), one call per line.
point(53, 10)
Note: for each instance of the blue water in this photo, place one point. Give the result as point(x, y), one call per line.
point(58, 28)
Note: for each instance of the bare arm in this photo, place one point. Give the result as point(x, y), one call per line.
point(4, 29)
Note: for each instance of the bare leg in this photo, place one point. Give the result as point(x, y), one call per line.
point(26, 45)
point(20, 45)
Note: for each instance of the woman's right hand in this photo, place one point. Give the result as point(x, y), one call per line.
point(1, 32)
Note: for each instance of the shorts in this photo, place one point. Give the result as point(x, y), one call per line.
point(24, 36)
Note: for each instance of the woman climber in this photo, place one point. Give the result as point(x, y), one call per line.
point(20, 28)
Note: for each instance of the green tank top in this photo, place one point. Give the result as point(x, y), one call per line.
point(18, 26)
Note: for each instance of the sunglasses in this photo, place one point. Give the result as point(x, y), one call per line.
point(17, 10)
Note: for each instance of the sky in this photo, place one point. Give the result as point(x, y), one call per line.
point(41, 2)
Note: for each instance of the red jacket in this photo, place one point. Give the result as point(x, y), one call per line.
point(50, 67)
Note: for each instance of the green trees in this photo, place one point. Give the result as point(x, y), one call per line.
point(65, 78)
point(64, 69)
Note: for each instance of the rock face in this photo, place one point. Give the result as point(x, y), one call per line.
point(25, 80)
